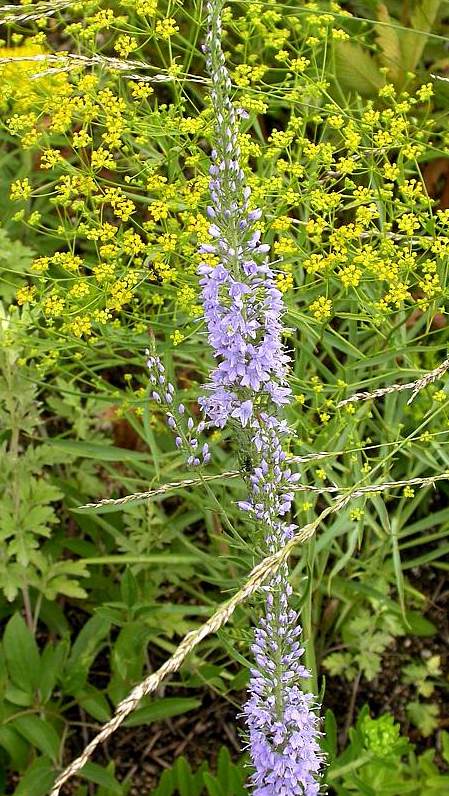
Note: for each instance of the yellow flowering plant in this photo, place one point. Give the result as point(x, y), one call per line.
point(106, 136)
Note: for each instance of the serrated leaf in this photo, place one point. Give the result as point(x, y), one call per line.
point(339, 663)
point(63, 585)
point(414, 40)
point(15, 261)
point(424, 716)
point(356, 69)
point(388, 42)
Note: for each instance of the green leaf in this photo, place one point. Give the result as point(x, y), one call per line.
point(212, 785)
point(371, 650)
point(85, 649)
point(94, 703)
point(414, 40)
point(162, 709)
point(399, 577)
point(21, 653)
point(101, 776)
point(52, 662)
point(17, 748)
point(15, 261)
point(330, 737)
point(184, 777)
point(133, 636)
point(18, 696)
point(444, 741)
point(424, 716)
point(356, 69)
point(39, 733)
point(223, 767)
point(419, 625)
point(92, 450)
point(166, 784)
point(388, 42)
point(340, 663)
point(128, 589)
point(38, 779)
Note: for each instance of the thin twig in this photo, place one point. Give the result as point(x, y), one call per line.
point(416, 386)
point(159, 491)
point(266, 568)
point(364, 490)
point(68, 61)
point(12, 13)
point(424, 481)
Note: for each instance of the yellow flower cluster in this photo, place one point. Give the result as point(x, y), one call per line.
point(128, 184)
point(20, 190)
point(321, 308)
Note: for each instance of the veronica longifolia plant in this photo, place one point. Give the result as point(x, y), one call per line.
point(243, 310)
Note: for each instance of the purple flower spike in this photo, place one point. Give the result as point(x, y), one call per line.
point(175, 417)
point(243, 311)
point(242, 306)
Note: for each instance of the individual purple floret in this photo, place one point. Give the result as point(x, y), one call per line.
point(184, 428)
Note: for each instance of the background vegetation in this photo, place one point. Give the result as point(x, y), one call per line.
point(104, 163)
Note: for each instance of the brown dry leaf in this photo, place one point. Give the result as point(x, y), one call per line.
point(123, 434)
point(436, 179)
